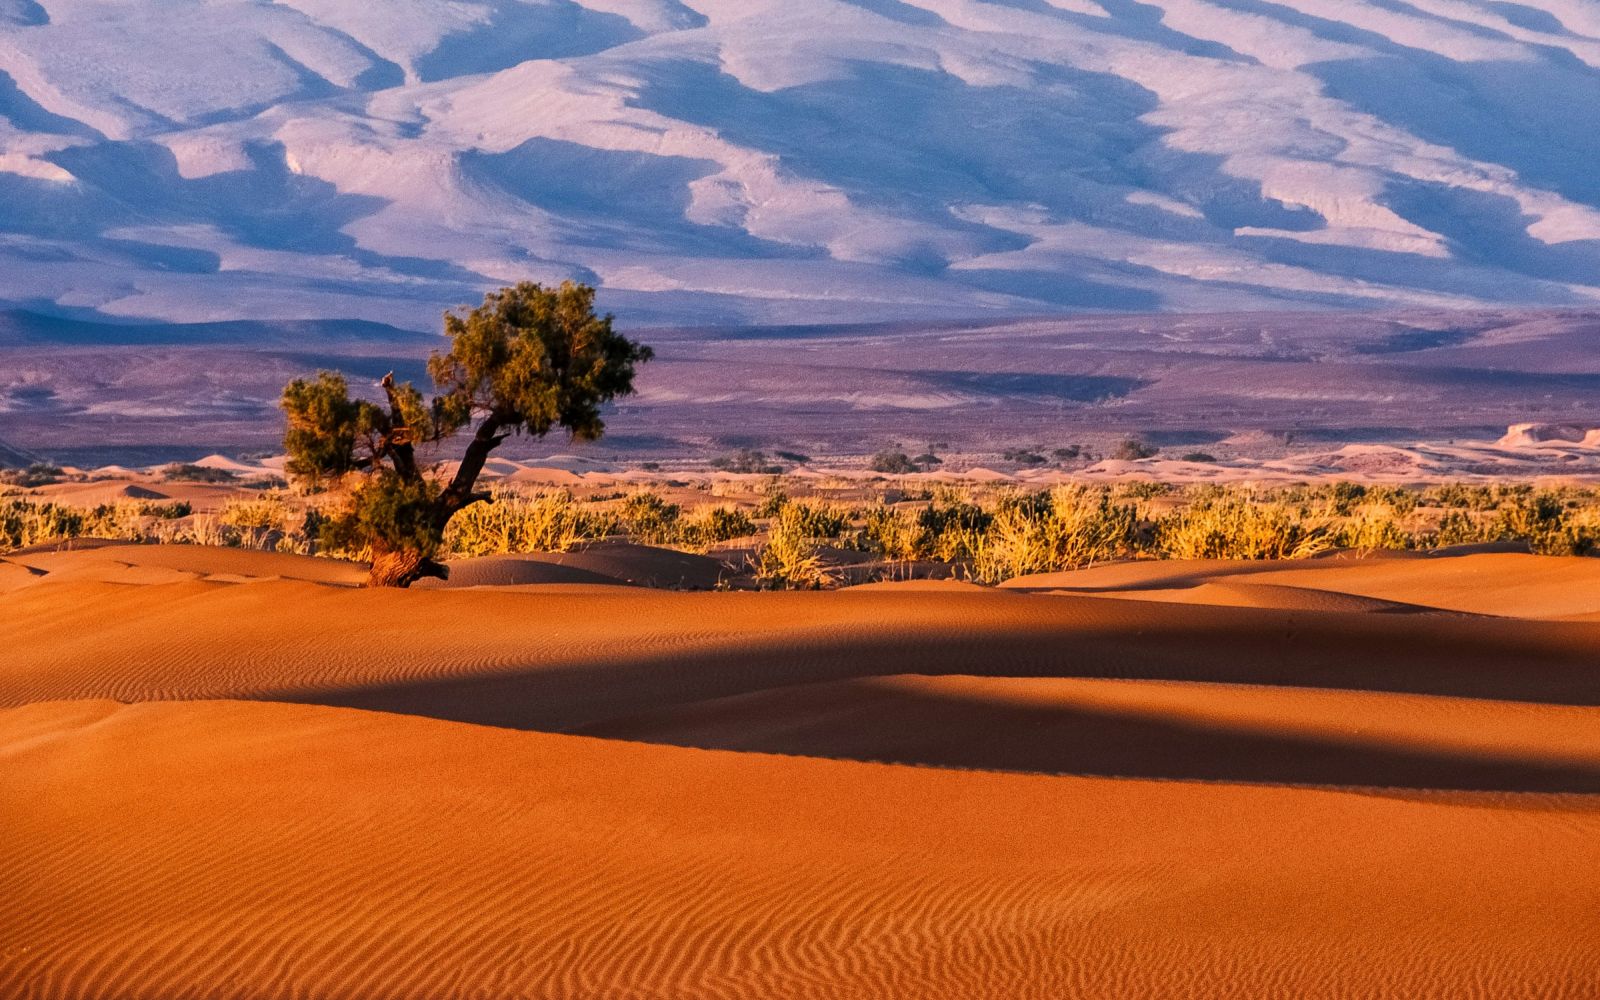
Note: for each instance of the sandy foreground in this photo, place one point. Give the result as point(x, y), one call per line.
point(232, 774)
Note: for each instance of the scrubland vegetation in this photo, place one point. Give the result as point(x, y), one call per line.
point(795, 534)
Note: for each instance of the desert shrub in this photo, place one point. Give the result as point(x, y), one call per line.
point(793, 456)
point(543, 521)
point(892, 462)
point(707, 525)
point(927, 460)
point(892, 533)
point(1457, 527)
point(746, 461)
point(1068, 453)
point(647, 517)
point(184, 472)
point(1402, 501)
point(255, 523)
point(1541, 519)
point(37, 474)
point(1459, 496)
point(821, 520)
point(1374, 527)
point(1203, 457)
point(773, 499)
point(1068, 528)
point(952, 526)
point(1133, 449)
point(24, 523)
point(788, 559)
point(1341, 497)
point(1143, 490)
point(1023, 456)
point(1234, 526)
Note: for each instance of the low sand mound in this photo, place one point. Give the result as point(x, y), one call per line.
point(94, 494)
point(198, 560)
point(642, 565)
point(1503, 583)
point(514, 571)
point(1152, 729)
point(1265, 595)
point(556, 660)
point(1150, 574)
point(304, 851)
point(1477, 582)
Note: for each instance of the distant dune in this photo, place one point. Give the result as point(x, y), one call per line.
point(234, 774)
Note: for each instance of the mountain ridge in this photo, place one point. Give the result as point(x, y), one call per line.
point(723, 162)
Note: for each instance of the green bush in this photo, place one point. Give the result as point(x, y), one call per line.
point(1068, 528)
point(706, 526)
point(37, 474)
point(1234, 526)
point(788, 560)
point(647, 517)
point(892, 462)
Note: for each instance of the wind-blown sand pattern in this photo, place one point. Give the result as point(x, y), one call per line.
point(232, 774)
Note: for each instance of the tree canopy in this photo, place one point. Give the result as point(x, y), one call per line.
point(528, 360)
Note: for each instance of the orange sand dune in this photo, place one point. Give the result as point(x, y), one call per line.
point(1157, 729)
point(228, 849)
point(1264, 780)
point(551, 660)
point(1492, 583)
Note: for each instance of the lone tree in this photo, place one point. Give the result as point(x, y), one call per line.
point(526, 361)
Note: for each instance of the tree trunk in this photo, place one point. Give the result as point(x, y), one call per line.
point(402, 567)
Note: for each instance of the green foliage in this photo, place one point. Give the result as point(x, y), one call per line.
point(952, 526)
point(389, 511)
point(1461, 496)
point(648, 517)
point(1142, 489)
point(892, 462)
point(534, 358)
point(788, 560)
point(1023, 456)
point(528, 360)
point(819, 520)
point(1234, 526)
point(24, 523)
point(544, 521)
point(1542, 520)
point(707, 525)
point(1458, 528)
point(183, 472)
point(1374, 527)
point(773, 499)
point(323, 427)
point(37, 474)
point(1068, 528)
point(746, 461)
point(891, 533)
